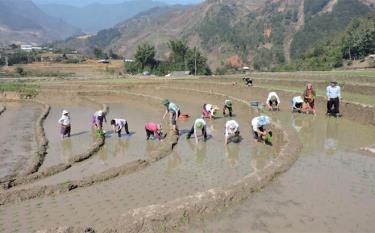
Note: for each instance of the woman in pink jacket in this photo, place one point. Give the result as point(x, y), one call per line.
point(153, 129)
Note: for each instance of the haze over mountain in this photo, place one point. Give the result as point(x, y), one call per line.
point(21, 21)
point(252, 32)
point(81, 3)
point(97, 16)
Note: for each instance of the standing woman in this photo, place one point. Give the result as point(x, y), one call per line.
point(174, 112)
point(309, 96)
point(65, 124)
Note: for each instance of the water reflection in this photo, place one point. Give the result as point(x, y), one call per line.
point(331, 141)
point(232, 152)
point(199, 150)
point(173, 162)
point(67, 149)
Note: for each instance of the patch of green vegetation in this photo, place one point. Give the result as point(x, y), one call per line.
point(328, 25)
point(27, 89)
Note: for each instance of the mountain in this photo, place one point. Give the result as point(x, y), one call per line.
point(97, 16)
point(260, 33)
point(21, 21)
point(83, 3)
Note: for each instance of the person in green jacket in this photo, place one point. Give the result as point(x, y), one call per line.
point(227, 106)
point(309, 96)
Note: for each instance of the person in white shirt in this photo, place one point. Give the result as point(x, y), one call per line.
point(98, 118)
point(297, 104)
point(118, 125)
point(232, 128)
point(65, 124)
point(273, 101)
point(199, 124)
point(258, 125)
point(333, 99)
point(209, 111)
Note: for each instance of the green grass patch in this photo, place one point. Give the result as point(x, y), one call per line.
point(27, 89)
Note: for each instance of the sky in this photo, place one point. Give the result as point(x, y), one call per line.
point(86, 2)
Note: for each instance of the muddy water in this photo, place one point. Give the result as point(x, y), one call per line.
point(17, 137)
point(116, 151)
point(331, 188)
point(189, 169)
point(60, 150)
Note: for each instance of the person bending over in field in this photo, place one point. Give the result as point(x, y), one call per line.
point(297, 104)
point(98, 118)
point(174, 112)
point(258, 125)
point(118, 125)
point(232, 128)
point(153, 130)
point(227, 106)
point(209, 111)
point(199, 124)
point(273, 101)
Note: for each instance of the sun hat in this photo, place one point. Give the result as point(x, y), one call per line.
point(199, 125)
point(165, 101)
point(264, 120)
point(64, 112)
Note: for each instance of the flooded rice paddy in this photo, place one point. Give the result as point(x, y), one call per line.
point(331, 188)
point(17, 137)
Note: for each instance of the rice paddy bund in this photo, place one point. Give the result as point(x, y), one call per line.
point(318, 176)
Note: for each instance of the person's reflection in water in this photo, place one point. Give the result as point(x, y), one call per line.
point(200, 151)
point(67, 149)
point(232, 152)
point(297, 123)
point(120, 147)
point(173, 162)
point(331, 141)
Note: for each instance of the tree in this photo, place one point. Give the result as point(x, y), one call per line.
point(177, 57)
point(100, 54)
point(359, 38)
point(197, 63)
point(145, 56)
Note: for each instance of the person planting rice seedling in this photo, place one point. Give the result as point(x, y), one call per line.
point(227, 106)
point(118, 125)
point(65, 123)
point(297, 104)
point(258, 125)
point(333, 99)
point(174, 112)
point(199, 124)
point(98, 118)
point(309, 96)
point(248, 81)
point(153, 130)
point(232, 131)
point(209, 111)
point(273, 101)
